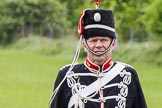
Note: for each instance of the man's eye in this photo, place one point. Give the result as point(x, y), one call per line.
point(104, 40)
point(93, 41)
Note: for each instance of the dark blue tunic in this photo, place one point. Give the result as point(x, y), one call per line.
point(134, 98)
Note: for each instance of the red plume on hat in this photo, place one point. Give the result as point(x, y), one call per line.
point(80, 24)
point(97, 3)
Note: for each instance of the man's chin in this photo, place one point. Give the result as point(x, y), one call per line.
point(99, 53)
point(99, 58)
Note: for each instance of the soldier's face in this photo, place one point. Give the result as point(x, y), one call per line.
point(98, 45)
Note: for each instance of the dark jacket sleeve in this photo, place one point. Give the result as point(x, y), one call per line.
point(139, 99)
point(59, 100)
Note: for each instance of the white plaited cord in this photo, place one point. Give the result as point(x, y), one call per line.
point(76, 56)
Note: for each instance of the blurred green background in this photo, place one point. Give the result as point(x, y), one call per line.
point(38, 37)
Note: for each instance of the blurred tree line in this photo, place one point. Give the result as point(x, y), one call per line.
point(20, 18)
point(139, 20)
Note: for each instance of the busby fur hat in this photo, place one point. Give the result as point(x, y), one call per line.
point(97, 22)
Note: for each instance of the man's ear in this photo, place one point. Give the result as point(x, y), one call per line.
point(114, 44)
point(84, 46)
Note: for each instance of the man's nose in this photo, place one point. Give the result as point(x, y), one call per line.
point(98, 43)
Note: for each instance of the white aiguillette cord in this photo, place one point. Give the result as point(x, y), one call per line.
point(76, 56)
point(103, 81)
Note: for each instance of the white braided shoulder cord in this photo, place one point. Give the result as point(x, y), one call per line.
point(76, 56)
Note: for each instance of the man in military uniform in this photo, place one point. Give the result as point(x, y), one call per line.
point(99, 82)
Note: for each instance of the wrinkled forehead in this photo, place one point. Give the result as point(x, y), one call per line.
point(99, 37)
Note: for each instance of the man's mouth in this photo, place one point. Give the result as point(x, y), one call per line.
point(99, 51)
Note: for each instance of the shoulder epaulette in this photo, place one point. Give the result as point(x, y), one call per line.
point(68, 65)
point(125, 64)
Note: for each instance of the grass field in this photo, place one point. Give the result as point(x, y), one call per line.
point(26, 79)
point(150, 77)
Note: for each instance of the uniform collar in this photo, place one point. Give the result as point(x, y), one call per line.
point(91, 66)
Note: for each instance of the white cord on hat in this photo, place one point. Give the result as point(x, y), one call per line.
point(100, 26)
